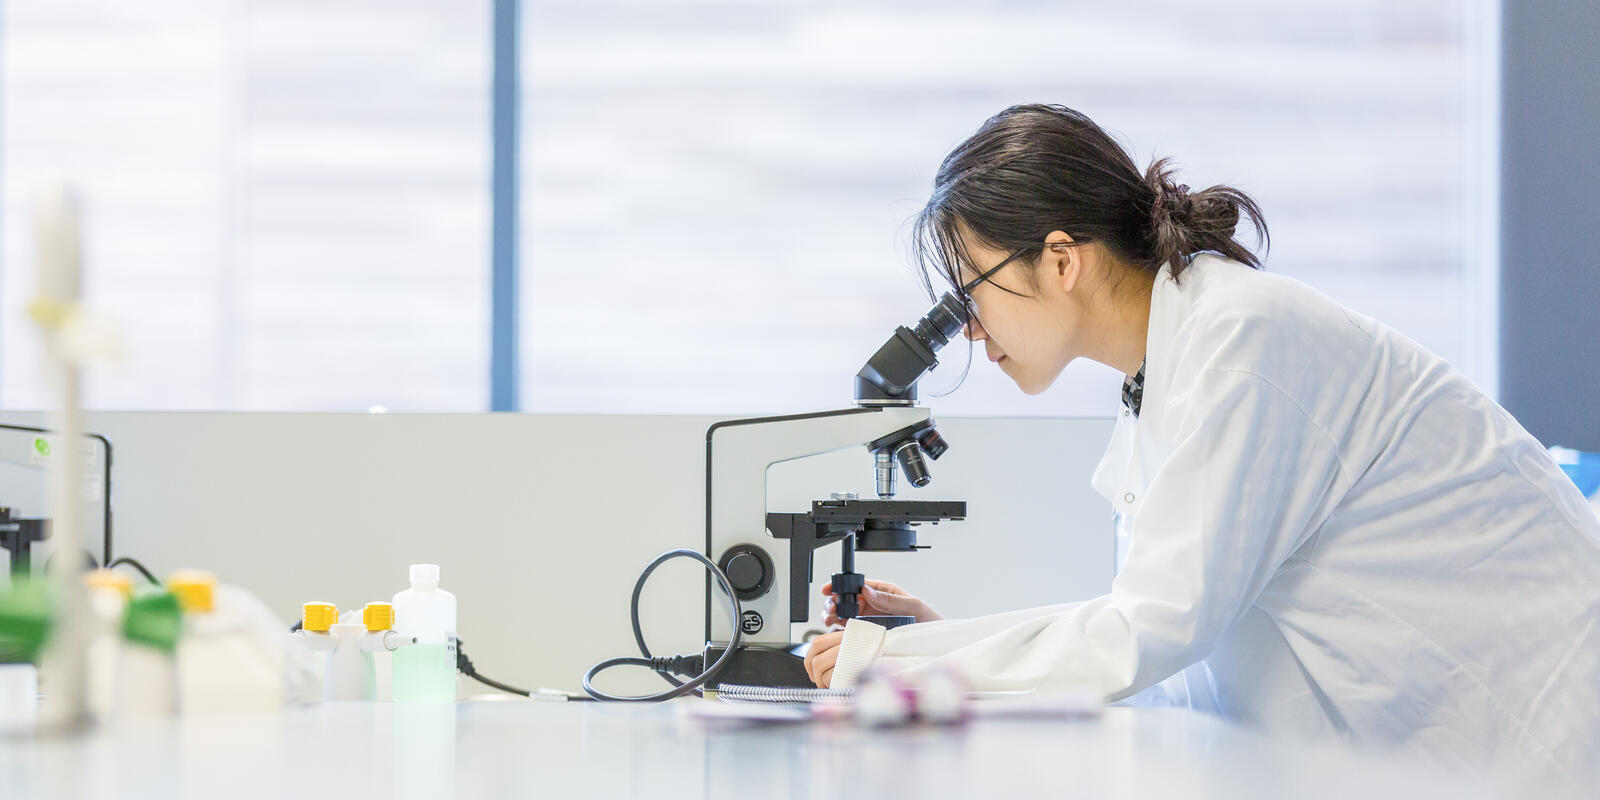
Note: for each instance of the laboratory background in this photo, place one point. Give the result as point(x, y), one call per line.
point(311, 312)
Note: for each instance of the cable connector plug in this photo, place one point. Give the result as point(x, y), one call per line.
point(688, 666)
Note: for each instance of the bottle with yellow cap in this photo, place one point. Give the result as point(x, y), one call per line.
point(226, 662)
point(352, 672)
point(353, 668)
point(317, 620)
point(381, 640)
point(316, 626)
point(318, 617)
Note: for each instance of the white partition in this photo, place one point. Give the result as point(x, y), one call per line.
point(541, 523)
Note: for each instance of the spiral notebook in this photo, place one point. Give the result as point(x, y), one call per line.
point(742, 693)
point(1015, 704)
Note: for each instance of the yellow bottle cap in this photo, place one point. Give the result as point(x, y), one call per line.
point(108, 579)
point(195, 590)
point(318, 617)
point(378, 616)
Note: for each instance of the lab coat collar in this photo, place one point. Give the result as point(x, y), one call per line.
point(1168, 305)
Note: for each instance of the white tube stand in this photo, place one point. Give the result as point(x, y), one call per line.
point(62, 676)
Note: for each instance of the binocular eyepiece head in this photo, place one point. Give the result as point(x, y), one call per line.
point(890, 376)
point(890, 379)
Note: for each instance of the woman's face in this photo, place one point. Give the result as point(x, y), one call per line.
point(1034, 336)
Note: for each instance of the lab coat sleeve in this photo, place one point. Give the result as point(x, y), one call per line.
point(863, 640)
point(1248, 480)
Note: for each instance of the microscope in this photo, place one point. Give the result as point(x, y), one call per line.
point(768, 557)
point(25, 501)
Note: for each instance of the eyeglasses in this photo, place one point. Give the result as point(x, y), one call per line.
point(965, 292)
point(967, 288)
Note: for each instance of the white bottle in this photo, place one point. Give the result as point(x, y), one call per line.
point(317, 620)
point(225, 665)
point(380, 641)
point(147, 672)
point(425, 671)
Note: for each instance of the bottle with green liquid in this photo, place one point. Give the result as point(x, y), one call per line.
point(426, 671)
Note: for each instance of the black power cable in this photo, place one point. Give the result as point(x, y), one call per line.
point(496, 684)
point(683, 665)
point(464, 666)
point(148, 575)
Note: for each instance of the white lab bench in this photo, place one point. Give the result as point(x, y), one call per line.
point(551, 749)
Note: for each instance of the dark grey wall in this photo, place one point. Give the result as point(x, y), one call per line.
point(1550, 219)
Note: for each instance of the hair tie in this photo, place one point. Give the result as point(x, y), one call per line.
point(1169, 200)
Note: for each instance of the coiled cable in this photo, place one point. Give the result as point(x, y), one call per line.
point(662, 665)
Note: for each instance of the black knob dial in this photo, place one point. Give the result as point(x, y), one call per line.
point(745, 572)
point(749, 569)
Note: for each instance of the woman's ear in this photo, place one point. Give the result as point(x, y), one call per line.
point(1064, 259)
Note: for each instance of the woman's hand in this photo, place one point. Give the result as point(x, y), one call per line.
point(822, 656)
point(879, 597)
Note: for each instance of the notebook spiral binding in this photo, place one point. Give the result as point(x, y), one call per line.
point(779, 694)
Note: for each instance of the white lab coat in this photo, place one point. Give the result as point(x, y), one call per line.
point(1331, 532)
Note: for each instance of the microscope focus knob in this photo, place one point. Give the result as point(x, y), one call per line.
point(744, 572)
point(749, 569)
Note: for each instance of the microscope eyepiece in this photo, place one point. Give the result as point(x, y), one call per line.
point(942, 322)
point(890, 379)
point(891, 375)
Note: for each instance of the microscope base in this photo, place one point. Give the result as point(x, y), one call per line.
point(759, 666)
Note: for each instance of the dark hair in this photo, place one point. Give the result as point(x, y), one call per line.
point(1033, 169)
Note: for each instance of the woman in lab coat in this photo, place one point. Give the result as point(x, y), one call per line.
point(1329, 529)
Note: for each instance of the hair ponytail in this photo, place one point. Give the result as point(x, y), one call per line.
point(1182, 224)
point(1034, 169)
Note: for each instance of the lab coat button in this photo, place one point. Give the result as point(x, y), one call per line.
point(1127, 498)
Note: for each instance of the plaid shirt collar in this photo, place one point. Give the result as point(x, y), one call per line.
point(1133, 390)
